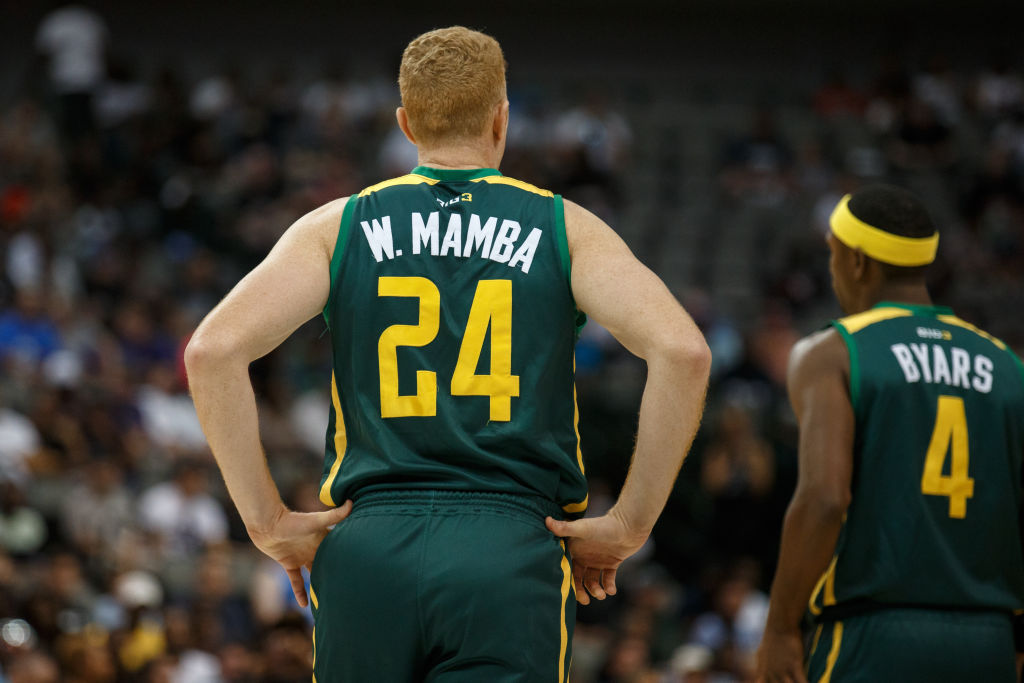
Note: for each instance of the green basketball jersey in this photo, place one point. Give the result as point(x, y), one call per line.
point(939, 442)
point(453, 325)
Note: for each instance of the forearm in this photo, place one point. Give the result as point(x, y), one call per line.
point(809, 536)
point(670, 412)
point(226, 406)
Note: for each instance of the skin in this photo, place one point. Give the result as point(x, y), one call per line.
point(292, 285)
point(818, 381)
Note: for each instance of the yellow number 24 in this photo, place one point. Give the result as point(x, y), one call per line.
point(491, 308)
point(949, 436)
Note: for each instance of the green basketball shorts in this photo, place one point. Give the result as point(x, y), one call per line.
point(914, 646)
point(442, 586)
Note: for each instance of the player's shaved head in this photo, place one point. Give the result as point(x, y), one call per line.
point(451, 81)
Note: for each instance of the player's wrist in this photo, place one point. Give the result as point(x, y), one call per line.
point(260, 524)
point(635, 532)
point(781, 624)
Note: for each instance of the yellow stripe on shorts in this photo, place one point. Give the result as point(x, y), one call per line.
point(833, 654)
point(563, 675)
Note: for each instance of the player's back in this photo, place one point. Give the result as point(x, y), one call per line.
point(453, 326)
point(939, 441)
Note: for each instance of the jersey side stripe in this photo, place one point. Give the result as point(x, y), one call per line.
point(411, 179)
point(340, 443)
point(573, 508)
point(857, 322)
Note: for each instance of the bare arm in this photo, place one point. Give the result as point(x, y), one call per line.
point(818, 381)
point(621, 294)
point(288, 288)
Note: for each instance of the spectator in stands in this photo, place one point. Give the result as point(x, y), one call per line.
point(182, 514)
point(73, 39)
point(756, 167)
point(837, 98)
point(27, 332)
point(922, 142)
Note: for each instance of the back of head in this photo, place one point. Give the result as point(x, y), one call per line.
point(892, 209)
point(451, 81)
point(897, 212)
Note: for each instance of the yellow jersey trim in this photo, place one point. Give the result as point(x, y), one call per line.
point(502, 180)
point(563, 675)
point(573, 508)
point(826, 585)
point(858, 321)
point(953, 320)
point(340, 444)
point(814, 644)
point(833, 654)
point(881, 245)
point(410, 179)
point(312, 597)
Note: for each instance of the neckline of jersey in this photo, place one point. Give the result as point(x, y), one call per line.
point(454, 174)
point(917, 309)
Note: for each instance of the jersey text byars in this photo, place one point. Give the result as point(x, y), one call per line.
point(490, 238)
point(930, 363)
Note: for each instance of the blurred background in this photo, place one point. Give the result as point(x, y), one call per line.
point(151, 154)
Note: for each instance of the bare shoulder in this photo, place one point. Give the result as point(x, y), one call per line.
point(321, 225)
point(583, 227)
point(819, 354)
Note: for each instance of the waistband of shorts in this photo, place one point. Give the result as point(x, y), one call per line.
point(440, 501)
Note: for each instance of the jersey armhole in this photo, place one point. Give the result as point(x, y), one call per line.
point(1018, 363)
point(851, 348)
point(339, 248)
point(562, 239)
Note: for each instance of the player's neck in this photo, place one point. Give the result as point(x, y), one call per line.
point(915, 293)
point(462, 156)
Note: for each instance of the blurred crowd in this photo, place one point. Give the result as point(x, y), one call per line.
point(131, 202)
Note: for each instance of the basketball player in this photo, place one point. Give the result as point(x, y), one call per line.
point(453, 296)
point(903, 531)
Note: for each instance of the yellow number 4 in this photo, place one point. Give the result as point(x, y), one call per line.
point(949, 436)
point(492, 306)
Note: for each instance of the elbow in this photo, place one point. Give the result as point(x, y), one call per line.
point(698, 356)
point(828, 506)
point(203, 353)
point(689, 353)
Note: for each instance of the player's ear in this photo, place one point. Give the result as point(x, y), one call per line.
point(403, 124)
point(499, 125)
point(859, 263)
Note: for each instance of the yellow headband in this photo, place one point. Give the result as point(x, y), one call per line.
point(878, 244)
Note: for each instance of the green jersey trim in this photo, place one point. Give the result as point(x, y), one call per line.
point(563, 254)
point(1019, 364)
point(563, 240)
point(339, 248)
point(851, 348)
point(916, 309)
point(491, 176)
point(454, 174)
